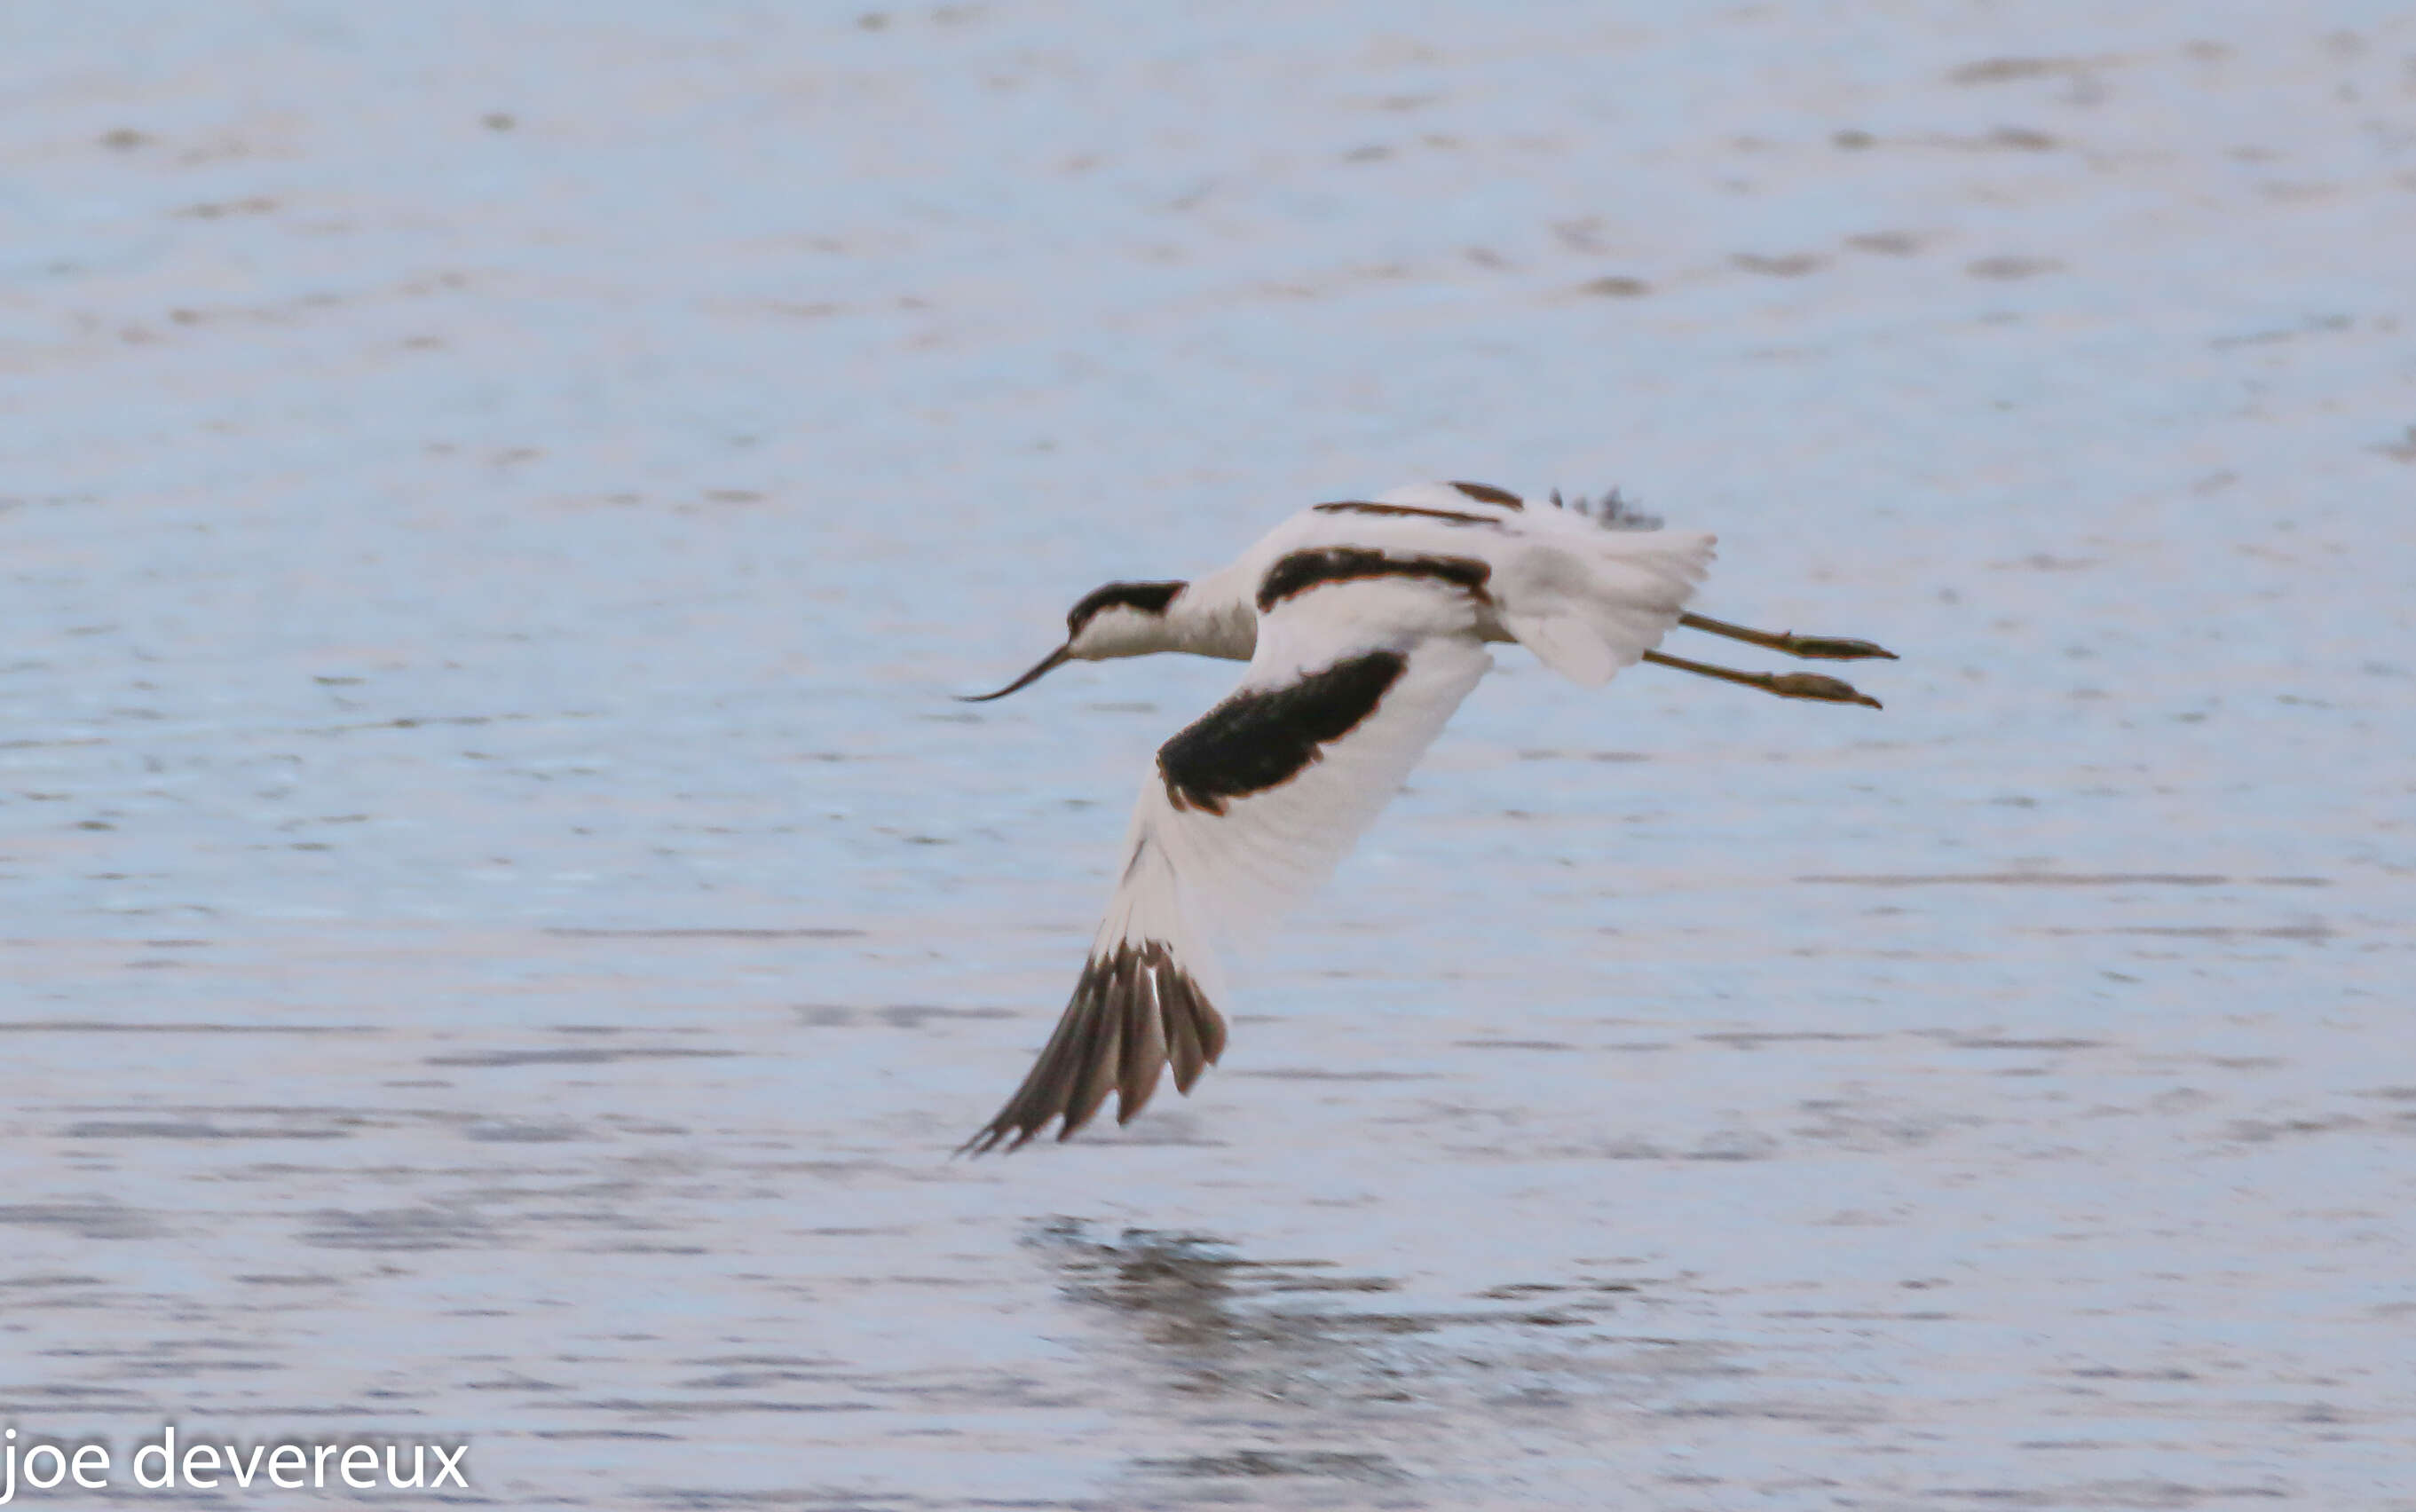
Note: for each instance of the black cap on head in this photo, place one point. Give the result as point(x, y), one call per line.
point(1150, 598)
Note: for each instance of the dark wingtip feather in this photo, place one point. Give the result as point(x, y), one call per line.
point(1145, 1045)
point(1131, 1014)
point(1613, 512)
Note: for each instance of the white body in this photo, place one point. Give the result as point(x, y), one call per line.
point(1586, 599)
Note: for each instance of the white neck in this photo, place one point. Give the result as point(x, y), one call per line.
point(1214, 617)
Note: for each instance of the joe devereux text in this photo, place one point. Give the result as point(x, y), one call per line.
point(164, 1463)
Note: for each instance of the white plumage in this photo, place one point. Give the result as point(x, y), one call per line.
point(1364, 624)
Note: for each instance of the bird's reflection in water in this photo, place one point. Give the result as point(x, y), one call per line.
point(1196, 1300)
point(1214, 1320)
point(1271, 1332)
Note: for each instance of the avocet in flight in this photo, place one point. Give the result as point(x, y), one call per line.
point(1365, 623)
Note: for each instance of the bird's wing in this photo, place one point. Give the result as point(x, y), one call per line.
point(1612, 511)
point(1474, 498)
point(1248, 810)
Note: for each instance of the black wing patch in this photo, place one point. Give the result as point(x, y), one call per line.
point(1301, 571)
point(1449, 517)
point(1486, 494)
point(1150, 598)
point(1133, 1014)
point(1267, 736)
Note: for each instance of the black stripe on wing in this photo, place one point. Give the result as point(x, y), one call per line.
point(1266, 737)
point(1133, 1012)
point(1300, 571)
point(1488, 494)
point(1449, 517)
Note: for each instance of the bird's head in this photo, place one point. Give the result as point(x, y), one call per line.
point(1117, 619)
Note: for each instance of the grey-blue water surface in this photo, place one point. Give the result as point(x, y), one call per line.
point(503, 924)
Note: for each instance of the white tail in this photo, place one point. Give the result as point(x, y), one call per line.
point(1589, 612)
